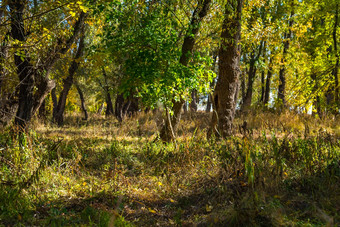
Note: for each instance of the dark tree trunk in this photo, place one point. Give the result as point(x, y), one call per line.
point(282, 73)
point(212, 87)
point(209, 104)
point(42, 110)
point(317, 101)
point(268, 81)
point(3, 57)
point(125, 107)
point(169, 130)
point(194, 101)
point(24, 68)
point(263, 86)
point(100, 109)
point(109, 106)
point(82, 101)
point(229, 72)
point(246, 102)
point(59, 112)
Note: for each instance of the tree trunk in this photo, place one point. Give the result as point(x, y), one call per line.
point(169, 129)
point(109, 106)
point(209, 104)
point(194, 101)
point(268, 81)
point(317, 101)
point(263, 86)
point(42, 110)
point(3, 57)
point(59, 112)
point(100, 109)
point(229, 72)
point(82, 101)
point(282, 73)
point(125, 107)
point(246, 102)
point(24, 68)
point(212, 87)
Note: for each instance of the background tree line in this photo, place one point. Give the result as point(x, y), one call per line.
point(130, 56)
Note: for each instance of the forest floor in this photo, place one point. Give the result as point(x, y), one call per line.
point(283, 170)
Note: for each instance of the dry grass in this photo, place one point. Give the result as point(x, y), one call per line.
point(103, 172)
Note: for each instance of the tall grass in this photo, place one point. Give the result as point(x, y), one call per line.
point(102, 172)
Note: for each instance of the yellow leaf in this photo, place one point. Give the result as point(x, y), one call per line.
point(85, 9)
point(209, 208)
point(152, 211)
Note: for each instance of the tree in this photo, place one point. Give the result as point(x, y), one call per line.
point(281, 96)
point(227, 85)
point(169, 129)
point(82, 101)
point(58, 112)
point(33, 74)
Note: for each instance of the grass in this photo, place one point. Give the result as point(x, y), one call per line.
point(283, 171)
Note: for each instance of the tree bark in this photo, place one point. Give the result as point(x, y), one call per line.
point(246, 103)
point(82, 101)
point(59, 112)
point(24, 68)
point(171, 123)
point(268, 81)
point(194, 101)
point(263, 86)
point(229, 71)
point(282, 73)
point(42, 110)
point(100, 109)
point(126, 107)
point(317, 101)
point(3, 57)
point(212, 87)
point(109, 106)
